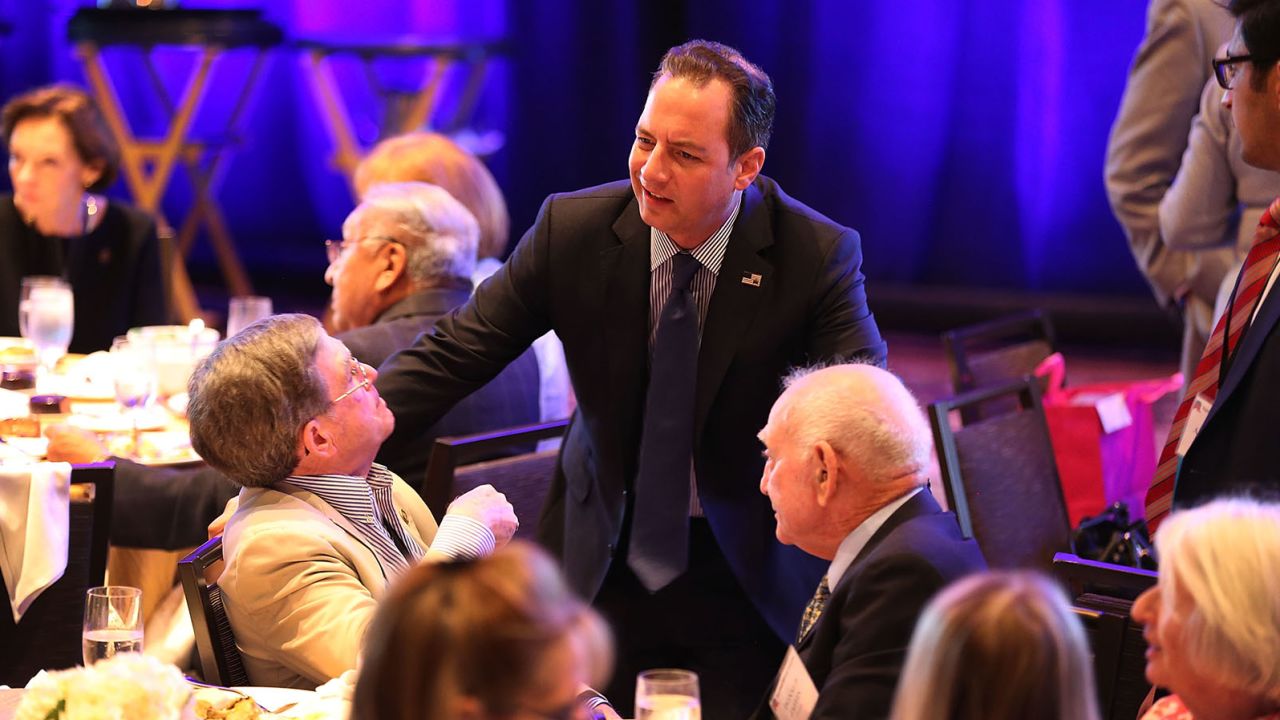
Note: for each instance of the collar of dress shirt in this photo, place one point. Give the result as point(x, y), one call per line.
point(351, 496)
point(855, 541)
point(709, 253)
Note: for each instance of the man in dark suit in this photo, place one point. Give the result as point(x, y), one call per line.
point(847, 459)
point(406, 259)
point(1234, 448)
point(770, 283)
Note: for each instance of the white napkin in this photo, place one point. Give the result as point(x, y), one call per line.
point(13, 404)
point(35, 503)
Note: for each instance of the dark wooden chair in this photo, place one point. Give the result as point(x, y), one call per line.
point(997, 352)
point(524, 478)
point(48, 637)
point(1001, 478)
point(220, 660)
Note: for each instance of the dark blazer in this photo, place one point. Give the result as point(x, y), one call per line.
point(1235, 450)
point(177, 504)
point(856, 650)
point(116, 272)
point(509, 399)
point(583, 271)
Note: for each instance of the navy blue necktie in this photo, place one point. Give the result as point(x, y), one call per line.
point(659, 550)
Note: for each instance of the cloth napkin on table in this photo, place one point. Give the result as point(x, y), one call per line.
point(35, 504)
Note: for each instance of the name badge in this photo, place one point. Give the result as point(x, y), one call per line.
point(1200, 407)
point(794, 695)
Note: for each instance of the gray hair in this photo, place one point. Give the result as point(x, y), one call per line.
point(889, 439)
point(1224, 555)
point(251, 398)
point(439, 234)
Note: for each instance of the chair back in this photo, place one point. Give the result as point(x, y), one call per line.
point(996, 352)
point(1119, 654)
point(1001, 478)
point(524, 478)
point(220, 661)
point(48, 638)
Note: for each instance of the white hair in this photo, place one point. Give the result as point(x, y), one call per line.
point(1224, 555)
point(439, 235)
point(890, 438)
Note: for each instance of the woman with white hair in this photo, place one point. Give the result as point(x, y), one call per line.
point(1213, 619)
point(998, 646)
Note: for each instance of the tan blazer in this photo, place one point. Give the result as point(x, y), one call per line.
point(299, 584)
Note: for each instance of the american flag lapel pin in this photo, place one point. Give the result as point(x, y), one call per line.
point(752, 279)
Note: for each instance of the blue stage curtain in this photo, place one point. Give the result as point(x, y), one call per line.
point(964, 139)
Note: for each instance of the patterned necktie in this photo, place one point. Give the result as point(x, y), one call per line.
point(1255, 273)
point(813, 610)
point(659, 550)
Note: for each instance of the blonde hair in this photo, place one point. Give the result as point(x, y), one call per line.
point(1224, 555)
point(996, 646)
point(479, 628)
point(433, 158)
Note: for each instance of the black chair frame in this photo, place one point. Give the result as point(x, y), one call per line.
point(220, 660)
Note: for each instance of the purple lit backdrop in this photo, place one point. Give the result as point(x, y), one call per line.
point(963, 139)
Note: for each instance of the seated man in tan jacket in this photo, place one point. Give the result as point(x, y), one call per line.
point(283, 410)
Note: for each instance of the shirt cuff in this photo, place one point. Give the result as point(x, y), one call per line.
point(463, 538)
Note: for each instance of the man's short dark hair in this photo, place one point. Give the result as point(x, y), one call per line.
point(751, 116)
point(1260, 30)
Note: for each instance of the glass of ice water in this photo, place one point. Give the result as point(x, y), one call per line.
point(667, 694)
point(112, 622)
point(245, 311)
point(46, 315)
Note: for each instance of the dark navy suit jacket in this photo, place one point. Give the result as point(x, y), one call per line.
point(1238, 447)
point(509, 399)
point(790, 292)
point(856, 649)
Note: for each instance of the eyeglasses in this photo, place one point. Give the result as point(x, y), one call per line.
point(1226, 70)
point(356, 371)
point(333, 249)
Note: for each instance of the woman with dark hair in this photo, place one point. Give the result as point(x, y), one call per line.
point(61, 157)
point(501, 637)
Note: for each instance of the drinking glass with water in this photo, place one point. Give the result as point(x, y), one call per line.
point(46, 315)
point(112, 622)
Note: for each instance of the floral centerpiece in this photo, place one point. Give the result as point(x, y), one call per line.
point(123, 687)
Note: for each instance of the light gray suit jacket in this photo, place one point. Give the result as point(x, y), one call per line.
point(301, 586)
point(1214, 203)
point(1145, 149)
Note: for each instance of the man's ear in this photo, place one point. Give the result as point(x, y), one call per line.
point(747, 167)
point(395, 261)
point(828, 481)
point(316, 440)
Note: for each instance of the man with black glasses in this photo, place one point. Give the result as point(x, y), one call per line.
point(1223, 436)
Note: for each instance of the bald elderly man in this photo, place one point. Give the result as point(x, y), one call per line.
point(848, 454)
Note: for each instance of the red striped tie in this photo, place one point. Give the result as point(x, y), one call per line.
point(1257, 269)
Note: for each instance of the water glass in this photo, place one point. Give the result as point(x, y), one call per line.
point(245, 311)
point(112, 622)
point(668, 694)
point(46, 315)
point(133, 375)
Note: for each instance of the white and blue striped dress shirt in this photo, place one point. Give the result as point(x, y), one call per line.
point(367, 504)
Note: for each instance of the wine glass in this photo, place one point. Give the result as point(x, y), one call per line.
point(133, 375)
point(245, 311)
point(668, 694)
point(112, 622)
point(46, 316)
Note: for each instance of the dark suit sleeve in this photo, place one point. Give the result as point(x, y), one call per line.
point(844, 327)
point(471, 345)
point(876, 623)
point(171, 508)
